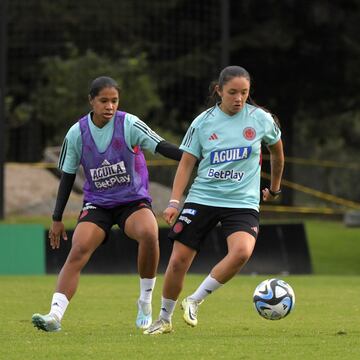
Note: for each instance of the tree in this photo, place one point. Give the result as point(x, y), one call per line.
point(60, 97)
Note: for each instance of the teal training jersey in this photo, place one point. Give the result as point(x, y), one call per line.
point(229, 149)
point(136, 133)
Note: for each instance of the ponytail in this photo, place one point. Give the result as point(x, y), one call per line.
point(213, 97)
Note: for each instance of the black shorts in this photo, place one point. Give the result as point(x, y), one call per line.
point(106, 218)
point(195, 222)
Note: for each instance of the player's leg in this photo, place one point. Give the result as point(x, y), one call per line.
point(189, 230)
point(240, 247)
point(142, 226)
point(240, 228)
point(86, 238)
point(181, 258)
point(88, 235)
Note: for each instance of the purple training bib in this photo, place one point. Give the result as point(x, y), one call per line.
point(117, 176)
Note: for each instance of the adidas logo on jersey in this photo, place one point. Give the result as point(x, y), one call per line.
point(105, 163)
point(213, 137)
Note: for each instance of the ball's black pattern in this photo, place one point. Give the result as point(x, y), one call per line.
point(274, 299)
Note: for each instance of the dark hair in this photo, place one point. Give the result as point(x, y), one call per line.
point(230, 72)
point(100, 83)
point(225, 76)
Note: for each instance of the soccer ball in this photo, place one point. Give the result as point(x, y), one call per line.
point(274, 299)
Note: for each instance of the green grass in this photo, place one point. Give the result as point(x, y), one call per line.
point(99, 323)
point(335, 248)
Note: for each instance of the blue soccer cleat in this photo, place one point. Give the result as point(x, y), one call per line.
point(144, 316)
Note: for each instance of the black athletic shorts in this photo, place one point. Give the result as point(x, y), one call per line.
point(106, 218)
point(195, 222)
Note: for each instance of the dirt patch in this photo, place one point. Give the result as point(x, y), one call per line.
point(31, 190)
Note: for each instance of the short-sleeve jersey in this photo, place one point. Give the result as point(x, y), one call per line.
point(229, 150)
point(136, 133)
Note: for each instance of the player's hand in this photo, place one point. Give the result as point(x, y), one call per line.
point(56, 232)
point(170, 214)
point(267, 196)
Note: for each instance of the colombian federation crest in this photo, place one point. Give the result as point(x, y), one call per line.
point(249, 133)
point(178, 227)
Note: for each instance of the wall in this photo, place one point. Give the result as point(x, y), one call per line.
point(22, 249)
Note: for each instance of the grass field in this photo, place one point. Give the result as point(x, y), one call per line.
point(99, 323)
point(334, 248)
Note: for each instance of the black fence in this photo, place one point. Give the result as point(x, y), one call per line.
point(280, 249)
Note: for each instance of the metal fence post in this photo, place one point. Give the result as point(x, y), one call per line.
point(3, 55)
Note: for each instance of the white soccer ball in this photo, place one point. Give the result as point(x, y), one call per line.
point(274, 299)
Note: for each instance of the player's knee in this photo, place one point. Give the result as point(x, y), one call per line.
point(241, 256)
point(147, 236)
point(78, 253)
point(178, 265)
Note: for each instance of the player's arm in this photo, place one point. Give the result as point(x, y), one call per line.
point(57, 229)
point(138, 133)
point(181, 180)
point(182, 176)
point(65, 187)
point(68, 163)
point(169, 150)
point(277, 167)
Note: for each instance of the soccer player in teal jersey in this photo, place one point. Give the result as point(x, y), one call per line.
point(107, 143)
point(226, 141)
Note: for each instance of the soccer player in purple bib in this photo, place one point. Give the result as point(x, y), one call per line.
point(226, 140)
point(107, 143)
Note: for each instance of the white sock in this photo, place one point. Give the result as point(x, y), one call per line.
point(59, 304)
point(208, 286)
point(146, 289)
point(167, 308)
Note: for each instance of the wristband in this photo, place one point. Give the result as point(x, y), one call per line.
point(173, 206)
point(275, 193)
point(174, 201)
